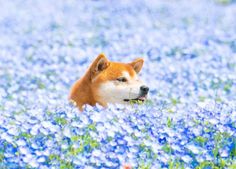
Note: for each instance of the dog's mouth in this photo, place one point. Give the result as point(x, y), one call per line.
point(138, 99)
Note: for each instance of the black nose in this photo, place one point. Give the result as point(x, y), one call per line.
point(144, 89)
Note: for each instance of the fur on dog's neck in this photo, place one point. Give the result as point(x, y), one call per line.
point(81, 93)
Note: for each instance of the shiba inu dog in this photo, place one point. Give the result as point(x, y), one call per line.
point(109, 82)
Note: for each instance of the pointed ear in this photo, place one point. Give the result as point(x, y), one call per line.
point(137, 64)
point(98, 65)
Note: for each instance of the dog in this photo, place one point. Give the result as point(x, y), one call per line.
point(109, 82)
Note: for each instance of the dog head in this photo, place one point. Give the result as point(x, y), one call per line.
point(115, 82)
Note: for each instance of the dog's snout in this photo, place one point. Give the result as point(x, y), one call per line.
point(144, 89)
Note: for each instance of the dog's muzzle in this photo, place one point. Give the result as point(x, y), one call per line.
point(143, 94)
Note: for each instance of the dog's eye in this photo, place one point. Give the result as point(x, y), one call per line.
point(122, 79)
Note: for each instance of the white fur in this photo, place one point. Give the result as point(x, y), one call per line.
point(116, 92)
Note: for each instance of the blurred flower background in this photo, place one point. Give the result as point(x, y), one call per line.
point(189, 48)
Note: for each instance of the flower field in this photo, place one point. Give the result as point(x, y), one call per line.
point(189, 119)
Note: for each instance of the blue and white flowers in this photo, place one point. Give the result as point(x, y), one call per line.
point(189, 48)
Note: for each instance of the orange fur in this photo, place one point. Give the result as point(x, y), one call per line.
point(84, 91)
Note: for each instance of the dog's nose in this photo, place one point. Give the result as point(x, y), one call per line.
point(144, 89)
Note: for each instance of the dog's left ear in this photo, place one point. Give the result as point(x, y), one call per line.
point(98, 65)
point(137, 64)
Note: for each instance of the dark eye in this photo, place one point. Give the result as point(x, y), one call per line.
point(122, 79)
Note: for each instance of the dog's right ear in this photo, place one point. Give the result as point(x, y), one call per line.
point(98, 65)
point(137, 64)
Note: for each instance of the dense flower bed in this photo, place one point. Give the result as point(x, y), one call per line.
point(189, 119)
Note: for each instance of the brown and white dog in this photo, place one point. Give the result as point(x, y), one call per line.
point(109, 82)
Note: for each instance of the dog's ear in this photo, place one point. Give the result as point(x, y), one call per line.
point(137, 64)
point(98, 65)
